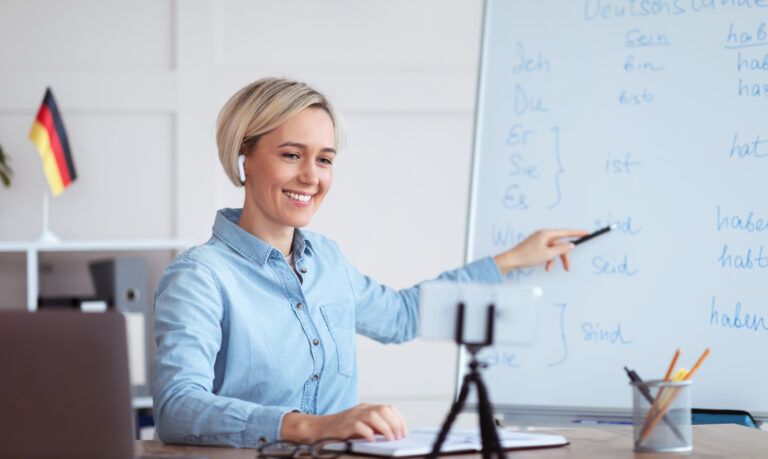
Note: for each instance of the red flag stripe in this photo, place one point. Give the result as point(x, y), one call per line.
point(46, 119)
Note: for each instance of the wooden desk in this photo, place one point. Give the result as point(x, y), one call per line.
point(725, 440)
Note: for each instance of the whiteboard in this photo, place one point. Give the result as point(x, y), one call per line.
point(652, 115)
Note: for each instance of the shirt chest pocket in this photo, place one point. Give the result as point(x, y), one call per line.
point(340, 318)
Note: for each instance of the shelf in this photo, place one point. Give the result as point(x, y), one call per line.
point(95, 245)
point(34, 248)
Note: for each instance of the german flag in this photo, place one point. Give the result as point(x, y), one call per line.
point(49, 137)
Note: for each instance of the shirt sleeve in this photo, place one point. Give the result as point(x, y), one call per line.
point(390, 316)
point(189, 312)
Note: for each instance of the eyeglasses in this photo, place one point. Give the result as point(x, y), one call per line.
point(326, 448)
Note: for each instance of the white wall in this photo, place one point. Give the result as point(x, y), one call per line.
point(140, 83)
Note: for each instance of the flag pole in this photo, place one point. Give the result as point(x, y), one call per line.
point(46, 236)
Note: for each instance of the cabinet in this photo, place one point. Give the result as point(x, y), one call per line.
point(34, 251)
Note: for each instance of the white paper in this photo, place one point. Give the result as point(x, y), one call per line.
point(135, 328)
point(419, 442)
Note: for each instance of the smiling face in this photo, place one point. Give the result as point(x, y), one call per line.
point(288, 174)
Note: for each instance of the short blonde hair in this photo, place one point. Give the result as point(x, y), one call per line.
point(259, 108)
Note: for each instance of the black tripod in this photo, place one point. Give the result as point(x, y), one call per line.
point(488, 434)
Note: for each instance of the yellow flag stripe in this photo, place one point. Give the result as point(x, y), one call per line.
point(39, 136)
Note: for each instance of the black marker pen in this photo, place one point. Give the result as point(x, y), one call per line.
point(595, 234)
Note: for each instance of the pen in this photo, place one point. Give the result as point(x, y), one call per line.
point(595, 234)
point(634, 377)
point(663, 410)
point(656, 400)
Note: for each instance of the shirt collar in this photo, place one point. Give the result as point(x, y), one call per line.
point(301, 244)
point(225, 228)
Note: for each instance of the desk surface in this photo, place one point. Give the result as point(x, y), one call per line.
point(726, 440)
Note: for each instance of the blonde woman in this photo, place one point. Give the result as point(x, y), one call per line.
point(255, 329)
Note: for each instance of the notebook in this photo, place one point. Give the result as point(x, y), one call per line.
point(419, 442)
point(65, 389)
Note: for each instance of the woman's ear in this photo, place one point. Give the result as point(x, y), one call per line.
point(240, 161)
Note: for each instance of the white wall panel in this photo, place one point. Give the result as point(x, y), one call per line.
point(85, 34)
point(106, 91)
point(372, 92)
point(398, 203)
point(21, 204)
point(196, 120)
point(348, 35)
point(124, 186)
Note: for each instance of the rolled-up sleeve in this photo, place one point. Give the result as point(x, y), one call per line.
point(189, 315)
point(391, 316)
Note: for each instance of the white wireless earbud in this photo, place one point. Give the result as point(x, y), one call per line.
point(240, 161)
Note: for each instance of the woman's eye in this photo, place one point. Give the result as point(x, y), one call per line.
point(326, 161)
point(291, 155)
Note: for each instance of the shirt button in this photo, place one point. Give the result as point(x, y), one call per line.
point(303, 270)
point(262, 440)
point(299, 306)
point(314, 378)
point(315, 341)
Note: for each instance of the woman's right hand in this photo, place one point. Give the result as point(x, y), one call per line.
point(361, 421)
point(540, 247)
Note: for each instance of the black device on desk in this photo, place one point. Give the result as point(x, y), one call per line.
point(65, 390)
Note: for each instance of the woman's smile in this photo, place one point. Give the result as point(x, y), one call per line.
point(299, 198)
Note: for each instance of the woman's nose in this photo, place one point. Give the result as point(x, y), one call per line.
point(308, 174)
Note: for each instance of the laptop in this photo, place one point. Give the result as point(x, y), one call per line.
point(64, 385)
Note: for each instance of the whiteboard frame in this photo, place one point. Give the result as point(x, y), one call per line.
point(461, 359)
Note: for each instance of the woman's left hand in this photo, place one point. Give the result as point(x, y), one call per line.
point(541, 246)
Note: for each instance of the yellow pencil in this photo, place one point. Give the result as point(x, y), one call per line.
point(680, 375)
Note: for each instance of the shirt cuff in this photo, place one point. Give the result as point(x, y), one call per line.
point(264, 425)
point(484, 270)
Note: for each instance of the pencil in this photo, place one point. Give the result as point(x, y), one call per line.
point(672, 365)
point(676, 391)
point(679, 375)
point(698, 364)
point(656, 400)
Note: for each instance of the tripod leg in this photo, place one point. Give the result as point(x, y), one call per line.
point(488, 433)
point(455, 410)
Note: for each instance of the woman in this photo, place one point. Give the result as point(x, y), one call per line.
point(255, 329)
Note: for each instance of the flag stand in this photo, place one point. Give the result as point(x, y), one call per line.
point(46, 236)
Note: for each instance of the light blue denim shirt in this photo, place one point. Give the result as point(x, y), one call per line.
point(242, 339)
